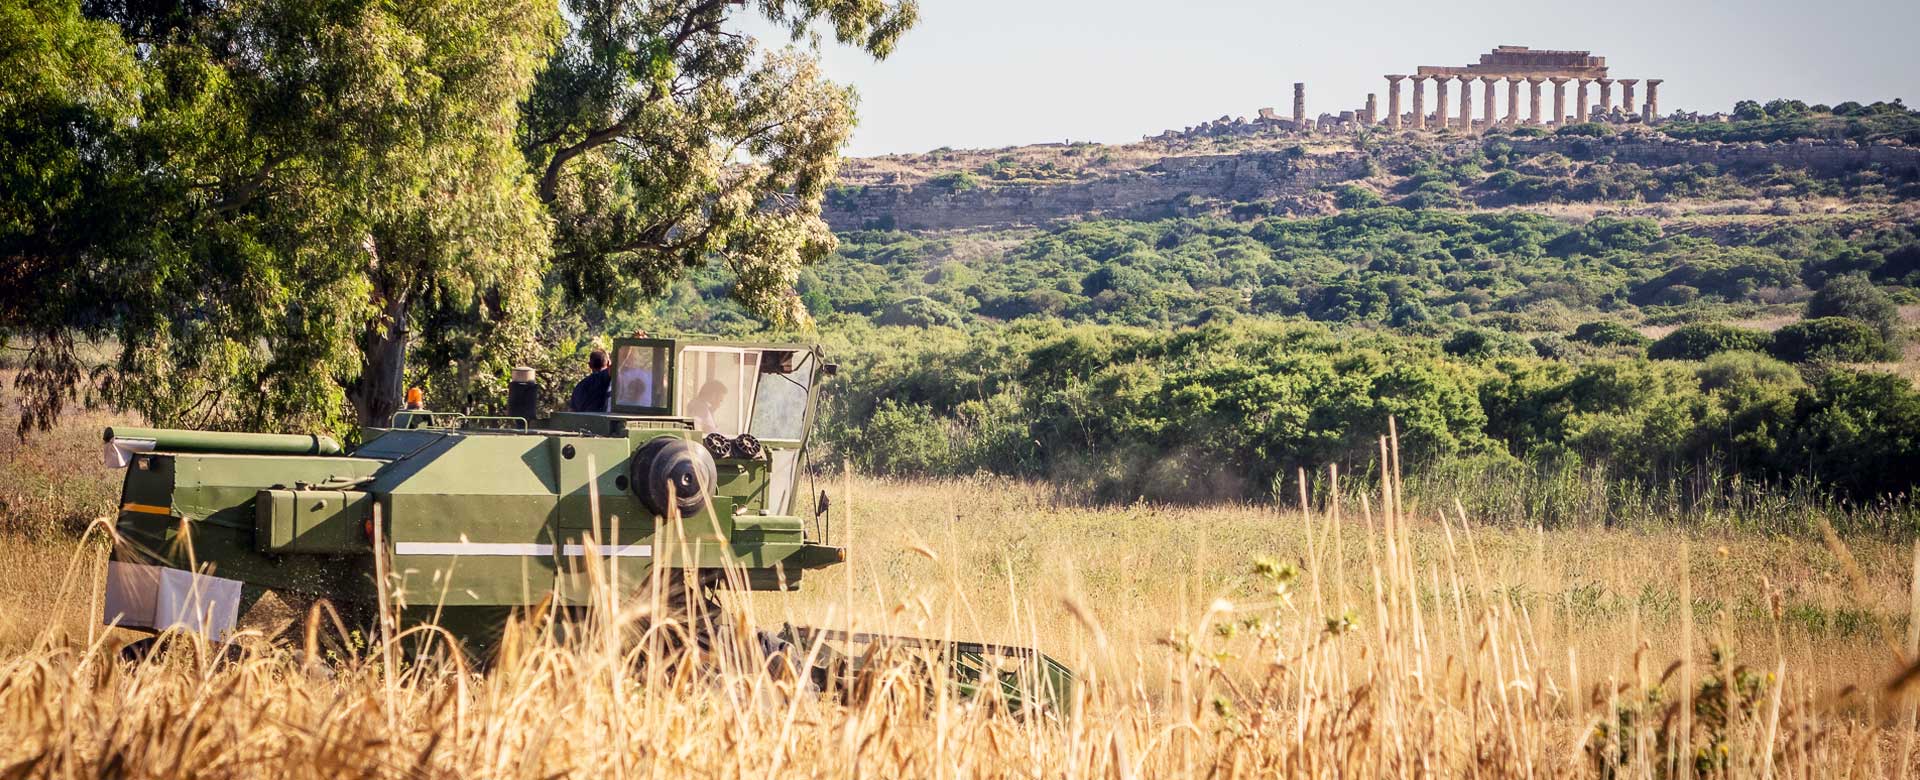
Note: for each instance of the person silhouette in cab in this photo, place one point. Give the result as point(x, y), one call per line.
point(595, 392)
point(705, 404)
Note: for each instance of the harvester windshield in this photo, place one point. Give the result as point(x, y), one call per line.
point(763, 391)
point(716, 387)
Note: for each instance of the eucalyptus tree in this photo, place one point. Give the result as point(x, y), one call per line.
point(259, 205)
point(254, 195)
point(662, 137)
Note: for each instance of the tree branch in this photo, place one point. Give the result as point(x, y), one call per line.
point(550, 178)
point(244, 192)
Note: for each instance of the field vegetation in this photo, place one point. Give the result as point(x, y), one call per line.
point(1363, 635)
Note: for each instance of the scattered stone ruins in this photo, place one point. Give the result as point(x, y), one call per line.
point(1505, 65)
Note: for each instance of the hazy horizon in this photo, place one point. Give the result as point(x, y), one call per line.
point(993, 73)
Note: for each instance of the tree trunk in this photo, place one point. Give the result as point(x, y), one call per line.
point(376, 394)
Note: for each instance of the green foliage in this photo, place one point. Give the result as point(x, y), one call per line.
point(1480, 344)
point(1223, 410)
point(919, 312)
point(1427, 272)
point(263, 194)
point(281, 212)
point(902, 439)
point(1855, 297)
point(1700, 341)
point(1353, 196)
point(1829, 338)
point(1216, 411)
point(1585, 129)
point(662, 140)
point(957, 181)
point(1787, 120)
point(1861, 431)
point(1607, 333)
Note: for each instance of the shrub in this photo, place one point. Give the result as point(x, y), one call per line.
point(1589, 129)
point(958, 181)
point(1859, 431)
point(1702, 340)
point(903, 439)
point(1476, 344)
point(1552, 347)
point(1855, 297)
point(918, 311)
point(1353, 196)
point(1829, 338)
point(1608, 333)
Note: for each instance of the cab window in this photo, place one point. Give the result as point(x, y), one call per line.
point(717, 386)
point(640, 376)
point(780, 405)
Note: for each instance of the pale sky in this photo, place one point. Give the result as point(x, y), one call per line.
point(988, 73)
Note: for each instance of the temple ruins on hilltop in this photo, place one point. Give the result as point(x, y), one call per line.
point(1508, 65)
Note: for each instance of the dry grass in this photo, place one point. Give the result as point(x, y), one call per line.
point(1224, 641)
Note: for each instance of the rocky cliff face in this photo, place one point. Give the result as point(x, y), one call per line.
point(1820, 158)
point(1286, 182)
point(1167, 188)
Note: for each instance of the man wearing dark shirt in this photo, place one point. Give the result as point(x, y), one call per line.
point(594, 392)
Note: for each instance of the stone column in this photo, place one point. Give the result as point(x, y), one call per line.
point(1373, 110)
point(1626, 95)
point(1466, 104)
point(1606, 99)
point(1419, 102)
point(1559, 100)
point(1440, 102)
point(1393, 101)
point(1580, 109)
point(1653, 101)
point(1486, 100)
point(1299, 104)
point(1513, 101)
point(1533, 86)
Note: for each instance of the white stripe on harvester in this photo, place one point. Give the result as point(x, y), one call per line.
point(622, 551)
point(479, 549)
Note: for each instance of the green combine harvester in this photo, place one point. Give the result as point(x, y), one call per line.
point(462, 521)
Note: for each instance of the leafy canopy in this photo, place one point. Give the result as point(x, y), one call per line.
point(263, 206)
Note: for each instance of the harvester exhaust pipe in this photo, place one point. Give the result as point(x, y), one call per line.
point(523, 395)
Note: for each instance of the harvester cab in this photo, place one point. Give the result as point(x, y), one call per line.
point(694, 467)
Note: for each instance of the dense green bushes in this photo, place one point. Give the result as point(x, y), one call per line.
point(1829, 338)
point(1386, 265)
point(1700, 341)
point(1819, 339)
point(1855, 297)
point(1426, 271)
point(1224, 410)
point(1786, 120)
point(1609, 334)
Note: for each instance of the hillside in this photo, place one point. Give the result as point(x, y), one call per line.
point(1076, 312)
point(1275, 172)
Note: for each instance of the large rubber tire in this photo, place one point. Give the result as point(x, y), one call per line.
point(669, 472)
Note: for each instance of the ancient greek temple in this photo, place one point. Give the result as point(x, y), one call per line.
point(1510, 66)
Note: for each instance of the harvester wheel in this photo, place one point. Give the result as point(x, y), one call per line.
point(672, 473)
point(137, 650)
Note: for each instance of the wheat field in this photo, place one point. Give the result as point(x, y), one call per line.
point(1363, 638)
